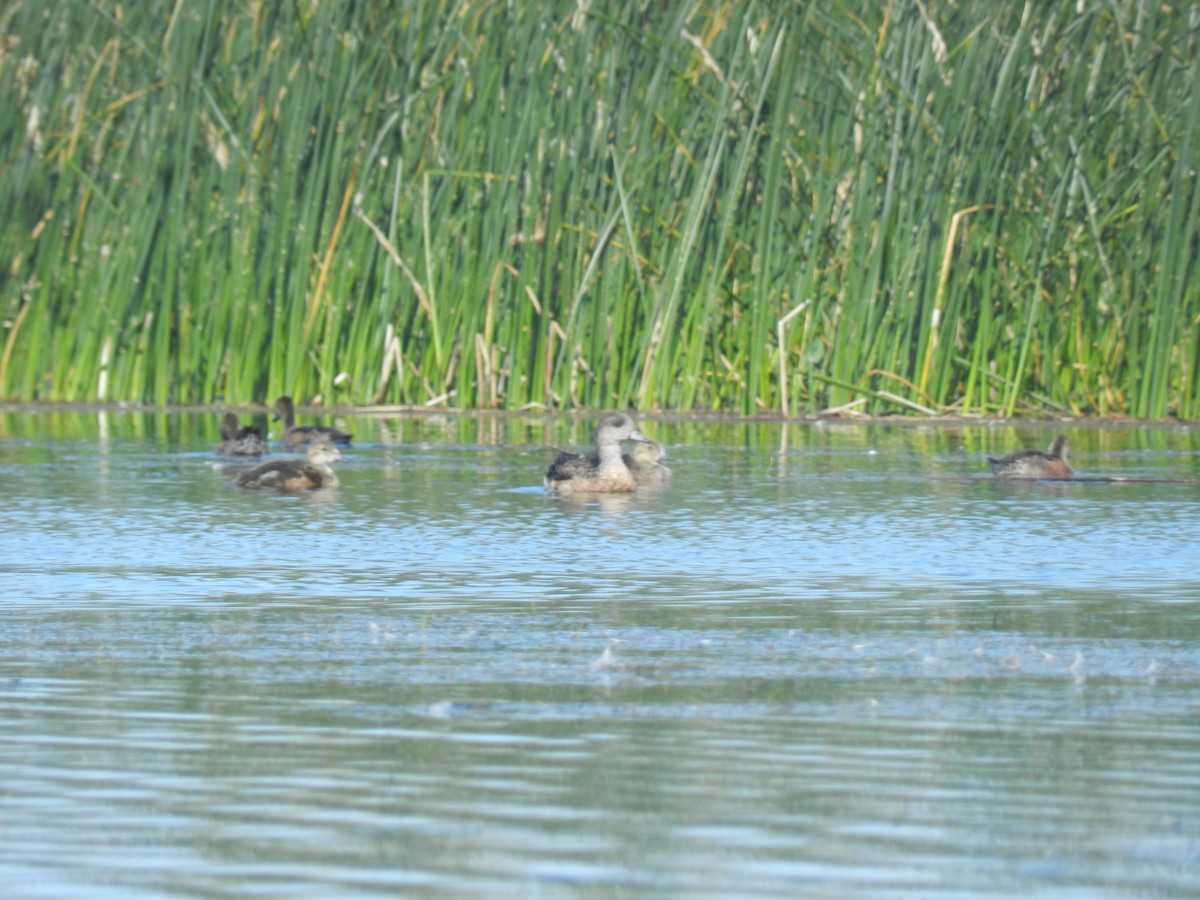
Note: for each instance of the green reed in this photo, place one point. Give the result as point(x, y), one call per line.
point(756, 207)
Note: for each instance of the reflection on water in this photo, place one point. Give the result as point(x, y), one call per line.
point(832, 660)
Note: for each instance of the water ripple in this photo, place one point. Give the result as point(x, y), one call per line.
point(805, 669)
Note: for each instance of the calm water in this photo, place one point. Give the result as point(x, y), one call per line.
point(830, 661)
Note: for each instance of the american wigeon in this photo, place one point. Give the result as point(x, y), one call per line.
point(603, 471)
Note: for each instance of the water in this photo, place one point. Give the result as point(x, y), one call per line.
point(830, 661)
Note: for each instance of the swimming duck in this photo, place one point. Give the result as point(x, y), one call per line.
point(646, 466)
point(1034, 463)
point(298, 435)
point(308, 474)
point(603, 471)
point(240, 440)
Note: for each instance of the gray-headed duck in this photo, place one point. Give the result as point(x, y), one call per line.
point(240, 440)
point(1034, 463)
point(308, 474)
point(295, 436)
point(605, 470)
point(645, 462)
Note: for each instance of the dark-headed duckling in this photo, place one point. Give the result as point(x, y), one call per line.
point(308, 474)
point(603, 471)
point(240, 440)
point(645, 464)
point(295, 436)
point(1034, 463)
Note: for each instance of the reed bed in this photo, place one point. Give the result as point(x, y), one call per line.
point(758, 207)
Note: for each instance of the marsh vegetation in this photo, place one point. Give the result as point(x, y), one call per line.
point(978, 207)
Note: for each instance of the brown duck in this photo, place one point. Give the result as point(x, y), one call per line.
point(309, 474)
point(645, 462)
point(295, 436)
point(1034, 463)
point(240, 440)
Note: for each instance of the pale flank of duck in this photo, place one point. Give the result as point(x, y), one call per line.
point(1034, 463)
point(308, 474)
point(604, 471)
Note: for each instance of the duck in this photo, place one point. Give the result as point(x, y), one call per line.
point(645, 464)
point(295, 436)
point(240, 440)
point(1034, 463)
point(309, 474)
point(604, 471)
